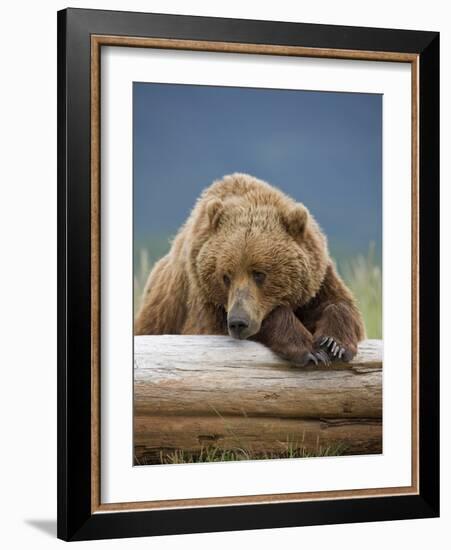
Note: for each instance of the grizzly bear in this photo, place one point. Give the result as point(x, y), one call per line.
point(252, 263)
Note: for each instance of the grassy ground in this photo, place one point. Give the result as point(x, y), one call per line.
point(364, 277)
point(216, 454)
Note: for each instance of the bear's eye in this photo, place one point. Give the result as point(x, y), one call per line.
point(226, 280)
point(259, 277)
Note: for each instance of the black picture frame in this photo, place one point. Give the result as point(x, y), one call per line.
point(75, 518)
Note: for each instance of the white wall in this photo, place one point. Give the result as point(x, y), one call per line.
point(28, 269)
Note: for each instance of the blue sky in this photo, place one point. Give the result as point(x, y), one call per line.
point(322, 148)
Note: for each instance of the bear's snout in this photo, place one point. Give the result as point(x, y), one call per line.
point(242, 317)
point(240, 323)
point(237, 325)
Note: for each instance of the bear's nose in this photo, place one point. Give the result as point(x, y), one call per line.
point(237, 325)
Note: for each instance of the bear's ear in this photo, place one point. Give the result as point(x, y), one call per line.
point(295, 220)
point(213, 209)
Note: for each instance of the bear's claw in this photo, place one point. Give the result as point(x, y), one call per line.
point(331, 348)
point(322, 356)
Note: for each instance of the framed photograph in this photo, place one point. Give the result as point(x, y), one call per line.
point(248, 274)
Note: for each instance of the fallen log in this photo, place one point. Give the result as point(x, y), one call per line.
point(191, 392)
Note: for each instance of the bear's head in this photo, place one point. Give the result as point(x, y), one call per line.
point(249, 259)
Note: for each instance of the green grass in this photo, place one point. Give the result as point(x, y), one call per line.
point(217, 454)
point(145, 254)
point(364, 277)
point(141, 271)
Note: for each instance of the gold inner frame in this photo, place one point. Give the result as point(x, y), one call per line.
point(97, 41)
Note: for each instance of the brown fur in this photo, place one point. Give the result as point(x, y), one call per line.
point(248, 250)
